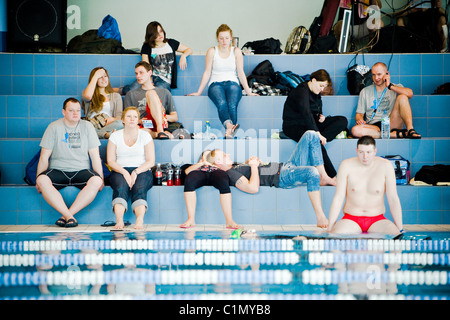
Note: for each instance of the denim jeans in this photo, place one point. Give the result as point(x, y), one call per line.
point(158, 82)
point(121, 190)
point(300, 168)
point(226, 96)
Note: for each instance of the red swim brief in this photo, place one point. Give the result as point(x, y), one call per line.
point(364, 222)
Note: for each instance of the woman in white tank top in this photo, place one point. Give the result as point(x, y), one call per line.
point(223, 70)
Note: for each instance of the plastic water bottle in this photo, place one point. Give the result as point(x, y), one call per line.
point(158, 175)
point(385, 127)
point(207, 130)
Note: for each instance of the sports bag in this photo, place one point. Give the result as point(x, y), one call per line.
point(299, 41)
point(358, 77)
point(289, 80)
point(401, 168)
point(266, 46)
point(435, 175)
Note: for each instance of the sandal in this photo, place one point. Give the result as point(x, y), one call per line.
point(71, 223)
point(162, 136)
point(61, 222)
point(412, 134)
point(400, 133)
point(233, 132)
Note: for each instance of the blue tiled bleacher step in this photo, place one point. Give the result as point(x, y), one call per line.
point(23, 205)
point(33, 87)
point(16, 153)
point(67, 74)
point(28, 116)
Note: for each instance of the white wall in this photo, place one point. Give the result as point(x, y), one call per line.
point(194, 22)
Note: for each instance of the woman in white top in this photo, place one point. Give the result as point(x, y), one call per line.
point(130, 154)
point(99, 98)
point(222, 64)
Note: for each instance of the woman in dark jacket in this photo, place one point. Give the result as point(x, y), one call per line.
point(303, 112)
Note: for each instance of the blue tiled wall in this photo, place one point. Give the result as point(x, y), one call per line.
point(23, 205)
point(27, 116)
point(67, 74)
point(16, 153)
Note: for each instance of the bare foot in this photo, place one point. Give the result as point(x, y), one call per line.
point(139, 224)
point(233, 225)
point(188, 224)
point(119, 225)
point(322, 222)
point(327, 181)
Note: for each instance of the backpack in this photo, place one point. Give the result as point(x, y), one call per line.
point(299, 41)
point(401, 168)
point(266, 46)
point(263, 74)
point(109, 29)
point(31, 169)
point(288, 80)
point(436, 174)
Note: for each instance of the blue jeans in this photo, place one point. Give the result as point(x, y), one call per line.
point(121, 190)
point(300, 168)
point(226, 96)
point(158, 82)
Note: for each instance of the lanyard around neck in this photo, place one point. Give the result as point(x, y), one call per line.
point(377, 102)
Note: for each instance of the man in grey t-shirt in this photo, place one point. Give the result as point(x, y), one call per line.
point(384, 98)
point(154, 103)
point(68, 147)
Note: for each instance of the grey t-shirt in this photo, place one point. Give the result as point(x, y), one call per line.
point(366, 101)
point(70, 146)
point(136, 98)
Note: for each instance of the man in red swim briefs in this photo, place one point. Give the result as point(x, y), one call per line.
point(363, 181)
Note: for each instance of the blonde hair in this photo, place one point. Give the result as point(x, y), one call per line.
point(97, 98)
point(130, 109)
point(224, 28)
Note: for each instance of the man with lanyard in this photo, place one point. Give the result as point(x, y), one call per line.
point(69, 148)
point(380, 99)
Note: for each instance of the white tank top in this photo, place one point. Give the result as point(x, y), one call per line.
point(223, 69)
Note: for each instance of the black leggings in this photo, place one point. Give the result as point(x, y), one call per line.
point(330, 128)
point(218, 179)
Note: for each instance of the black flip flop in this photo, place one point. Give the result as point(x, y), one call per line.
point(61, 222)
point(71, 223)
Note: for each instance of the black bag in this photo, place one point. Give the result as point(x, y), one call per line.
point(401, 168)
point(325, 44)
point(266, 46)
point(263, 73)
point(90, 42)
point(438, 173)
point(359, 76)
point(443, 89)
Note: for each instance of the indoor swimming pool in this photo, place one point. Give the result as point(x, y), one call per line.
point(224, 265)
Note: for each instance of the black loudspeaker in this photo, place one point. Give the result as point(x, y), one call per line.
point(37, 25)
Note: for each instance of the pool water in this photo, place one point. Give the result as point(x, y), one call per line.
point(223, 265)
